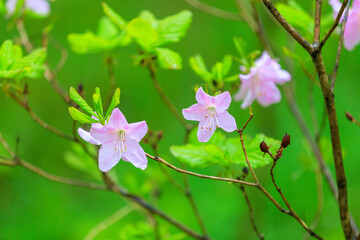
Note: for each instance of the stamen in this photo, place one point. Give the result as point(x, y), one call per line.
point(211, 119)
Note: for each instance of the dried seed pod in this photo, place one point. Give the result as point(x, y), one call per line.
point(245, 170)
point(285, 141)
point(264, 147)
point(349, 117)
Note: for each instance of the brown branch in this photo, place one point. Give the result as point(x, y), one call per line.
point(317, 21)
point(336, 144)
point(159, 159)
point(340, 46)
point(336, 22)
point(290, 29)
point(214, 11)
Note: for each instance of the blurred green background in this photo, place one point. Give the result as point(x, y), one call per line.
point(35, 208)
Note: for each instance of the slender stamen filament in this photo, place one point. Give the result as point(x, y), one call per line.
point(119, 143)
point(211, 119)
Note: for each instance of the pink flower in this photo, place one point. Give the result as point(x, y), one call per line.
point(118, 139)
point(41, 7)
point(260, 82)
point(352, 26)
point(211, 113)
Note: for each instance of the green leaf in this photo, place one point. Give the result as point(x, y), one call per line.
point(80, 101)
point(34, 61)
point(198, 66)
point(240, 46)
point(114, 17)
point(88, 42)
point(2, 7)
point(143, 33)
point(168, 59)
point(173, 28)
point(81, 117)
point(149, 16)
point(98, 103)
point(6, 54)
point(198, 155)
point(226, 63)
point(114, 102)
point(217, 71)
point(106, 29)
point(296, 15)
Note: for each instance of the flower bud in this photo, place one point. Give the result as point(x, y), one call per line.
point(349, 117)
point(245, 170)
point(264, 147)
point(285, 141)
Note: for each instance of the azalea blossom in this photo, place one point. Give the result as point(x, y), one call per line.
point(211, 113)
point(260, 82)
point(40, 7)
point(352, 26)
point(118, 140)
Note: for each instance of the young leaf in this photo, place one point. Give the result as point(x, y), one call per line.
point(168, 59)
point(114, 102)
point(143, 33)
point(227, 63)
point(198, 155)
point(81, 117)
point(149, 16)
point(198, 66)
point(88, 42)
point(114, 17)
point(98, 103)
point(6, 54)
point(106, 29)
point(217, 71)
point(296, 15)
point(81, 102)
point(34, 61)
point(173, 28)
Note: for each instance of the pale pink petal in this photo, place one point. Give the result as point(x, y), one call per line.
point(352, 30)
point(203, 98)
point(336, 5)
point(227, 122)
point(195, 113)
point(117, 120)
point(41, 7)
point(272, 72)
point(355, 5)
point(108, 157)
point(87, 137)
point(222, 102)
point(11, 6)
point(135, 154)
point(204, 134)
point(248, 99)
point(104, 134)
point(263, 60)
point(269, 94)
point(137, 130)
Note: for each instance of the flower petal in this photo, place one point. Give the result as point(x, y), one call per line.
point(135, 154)
point(103, 134)
point(87, 137)
point(222, 102)
point(352, 30)
point(270, 94)
point(117, 120)
point(137, 130)
point(227, 122)
point(10, 6)
point(108, 157)
point(203, 98)
point(195, 113)
point(41, 7)
point(248, 99)
point(204, 134)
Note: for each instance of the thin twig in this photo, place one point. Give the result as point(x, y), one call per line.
point(336, 22)
point(214, 11)
point(317, 21)
point(340, 46)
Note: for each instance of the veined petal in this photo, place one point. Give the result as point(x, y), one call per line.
point(227, 122)
point(137, 130)
point(195, 113)
point(269, 94)
point(263, 60)
point(135, 154)
point(87, 137)
point(104, 134)
point(109, 156)
point(117, 120)
point(222, 102)
point(248, 99)
point(205, 131)
point(41, 7)
point(352, 30)
point(203, 98)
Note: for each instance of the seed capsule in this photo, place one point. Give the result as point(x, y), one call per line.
point(264, 147)
point(285, 141)
point(349, 117)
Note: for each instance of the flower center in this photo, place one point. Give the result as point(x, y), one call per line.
point(120, 142)
point(211, 119)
